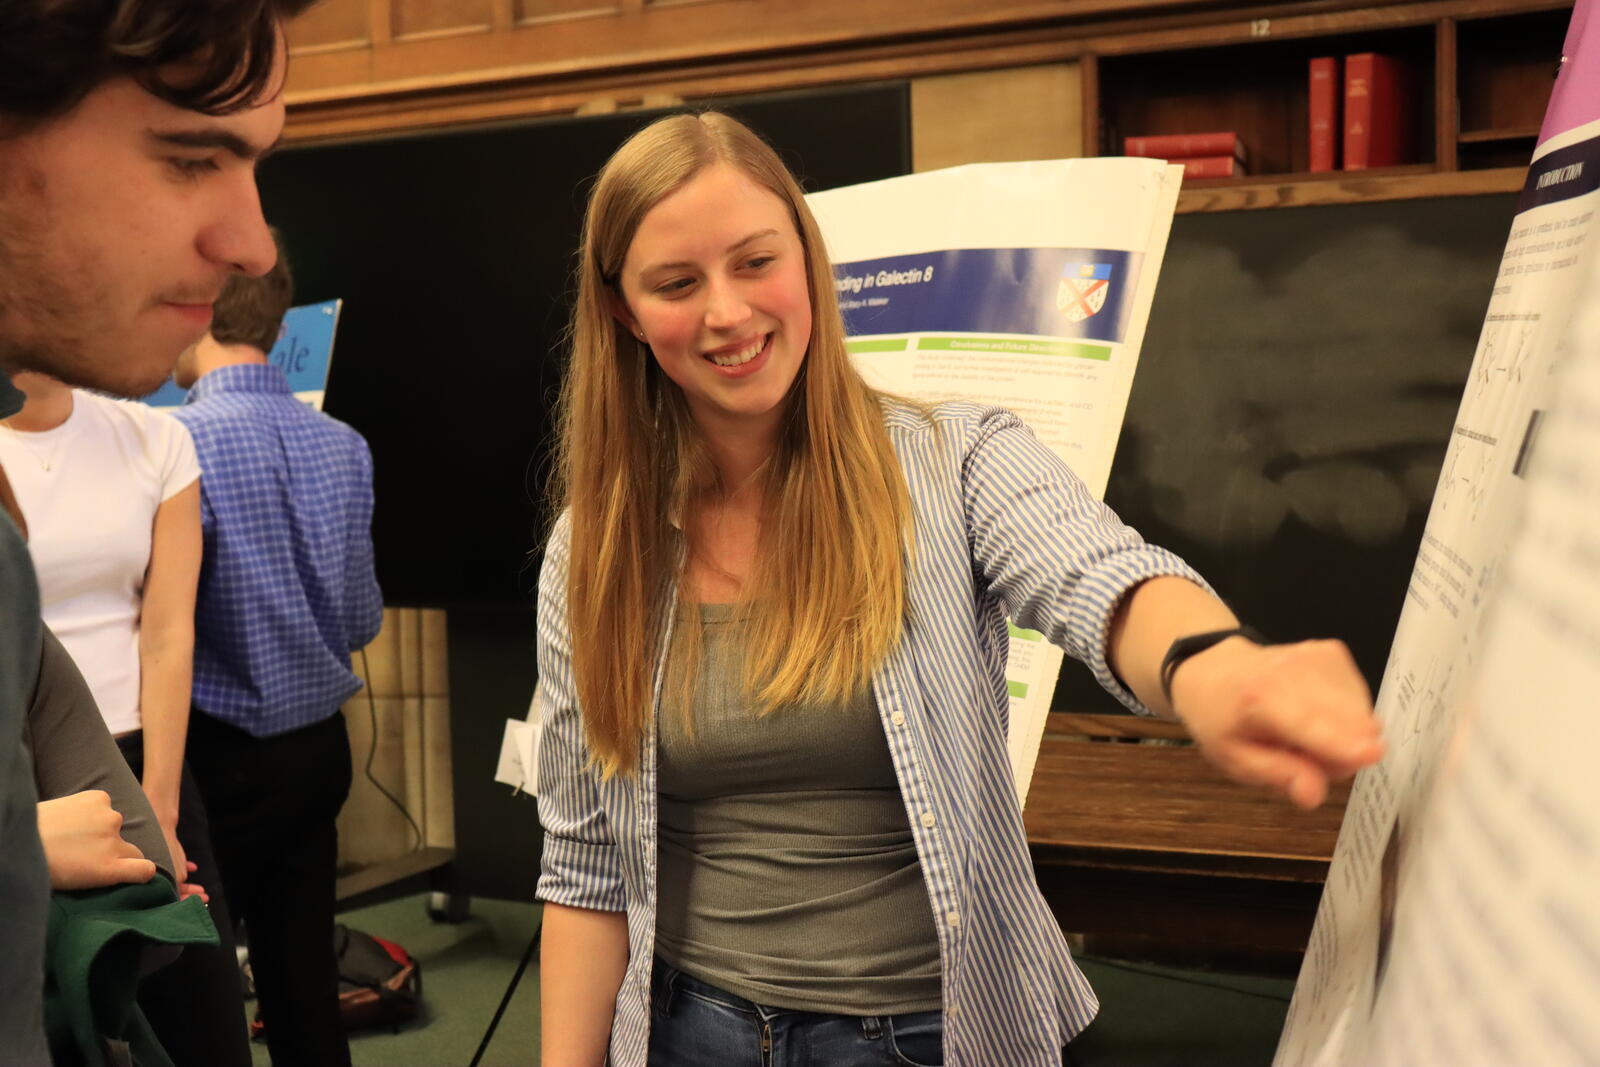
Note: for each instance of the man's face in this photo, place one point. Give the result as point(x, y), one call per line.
point(119, 223)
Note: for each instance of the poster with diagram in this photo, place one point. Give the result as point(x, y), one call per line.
point(1411, 813)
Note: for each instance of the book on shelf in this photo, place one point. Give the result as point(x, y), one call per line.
point(1325, 95)
point(1376, 111)
point(1210, 167)
point(1177, 147)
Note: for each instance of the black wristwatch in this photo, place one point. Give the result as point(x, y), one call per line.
point(1193, 645)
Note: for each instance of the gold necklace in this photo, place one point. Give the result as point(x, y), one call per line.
point(47, 461)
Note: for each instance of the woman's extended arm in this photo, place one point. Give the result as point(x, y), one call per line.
point(166, 655)
point(581, 962)
point(1291, 717)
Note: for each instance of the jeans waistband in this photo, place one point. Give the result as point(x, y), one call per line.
point(672, 980)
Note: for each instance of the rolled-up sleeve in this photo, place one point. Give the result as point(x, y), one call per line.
point(581, 866)
point(1059, 560)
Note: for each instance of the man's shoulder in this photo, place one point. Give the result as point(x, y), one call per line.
point(248, 413)
point(332, 435)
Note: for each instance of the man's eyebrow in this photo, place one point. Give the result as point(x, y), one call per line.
point(731, 250)
point(226, 140)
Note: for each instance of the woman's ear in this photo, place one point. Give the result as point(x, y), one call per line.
point(619, 311)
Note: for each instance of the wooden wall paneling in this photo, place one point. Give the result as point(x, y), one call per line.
point(996, 115)
point(727, 30)
point(332, 25)
point(1446, 106)
point(412, 788)
point(406, 697)
point(432, 103)
point(535, 12)
point(381, 21)
point(438, 808)
point(725, 35)
point(371, 828)
point(439, 821)
point(415, 20)
point(379, 663)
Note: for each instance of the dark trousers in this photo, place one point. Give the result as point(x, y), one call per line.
point(194, 1004)
point(273, 803)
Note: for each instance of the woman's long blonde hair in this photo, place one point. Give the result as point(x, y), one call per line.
point(826, 597)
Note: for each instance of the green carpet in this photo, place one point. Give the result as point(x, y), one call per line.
point(1164, 1017)
point(1149, 1016)
point(465, 970)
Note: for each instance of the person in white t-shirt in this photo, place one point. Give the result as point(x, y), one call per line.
point(111, 493)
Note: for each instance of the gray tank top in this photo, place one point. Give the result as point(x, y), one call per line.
point(787, 871)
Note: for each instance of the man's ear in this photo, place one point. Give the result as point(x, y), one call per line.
point(619, 311)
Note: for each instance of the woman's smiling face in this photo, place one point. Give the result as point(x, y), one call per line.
point(715, 281)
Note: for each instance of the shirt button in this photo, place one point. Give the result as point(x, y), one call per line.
point(953, 918)
point(898, 718)
point(928, 820)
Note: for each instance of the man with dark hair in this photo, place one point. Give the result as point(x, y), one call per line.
point(129, 132)
point(287, 592)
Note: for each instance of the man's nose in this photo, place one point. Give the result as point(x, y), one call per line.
point(238, 238)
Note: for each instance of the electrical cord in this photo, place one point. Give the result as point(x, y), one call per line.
point(1152, 973)
point(372, 752)
point(527, 958)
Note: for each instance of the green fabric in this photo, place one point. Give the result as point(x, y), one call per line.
point(94, 955)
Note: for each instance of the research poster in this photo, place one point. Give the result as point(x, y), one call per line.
point(1026, 285)
point(1458, 924)
point(304, 351)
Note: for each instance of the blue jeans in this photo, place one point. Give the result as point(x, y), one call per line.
point(693, 1024)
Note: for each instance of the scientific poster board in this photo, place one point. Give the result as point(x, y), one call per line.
point(1458, 923)
point(304, 351)
point(1026, 285)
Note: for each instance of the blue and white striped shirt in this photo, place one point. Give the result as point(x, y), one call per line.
point(287, 586)
point(1003, 528)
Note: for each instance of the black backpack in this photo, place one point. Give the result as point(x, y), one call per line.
point(379, 983)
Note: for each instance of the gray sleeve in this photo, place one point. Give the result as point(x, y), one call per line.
point(73, 751)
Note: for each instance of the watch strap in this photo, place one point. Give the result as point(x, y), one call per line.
point(1194, 644)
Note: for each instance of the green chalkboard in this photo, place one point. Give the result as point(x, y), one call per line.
point(1295, 393)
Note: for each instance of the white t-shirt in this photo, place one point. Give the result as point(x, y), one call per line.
point(90, 489)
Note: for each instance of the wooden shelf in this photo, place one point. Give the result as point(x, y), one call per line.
point(1515, 133)
point(1479, 74)
point(1344, 187)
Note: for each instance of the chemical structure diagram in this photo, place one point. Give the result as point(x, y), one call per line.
point(1503, 354)
point(1465, 481)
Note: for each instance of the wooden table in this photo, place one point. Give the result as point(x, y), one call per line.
point(1149, 852)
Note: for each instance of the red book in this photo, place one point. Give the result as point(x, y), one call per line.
point(1210, 167)
point(1176, 146)
point(1375, 111)
point(1325, 97)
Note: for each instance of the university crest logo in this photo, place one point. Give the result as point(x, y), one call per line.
point(1083, 290)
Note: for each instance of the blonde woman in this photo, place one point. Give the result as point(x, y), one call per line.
point(779, 822)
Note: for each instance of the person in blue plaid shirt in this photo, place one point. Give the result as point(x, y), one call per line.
point(287, 592)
